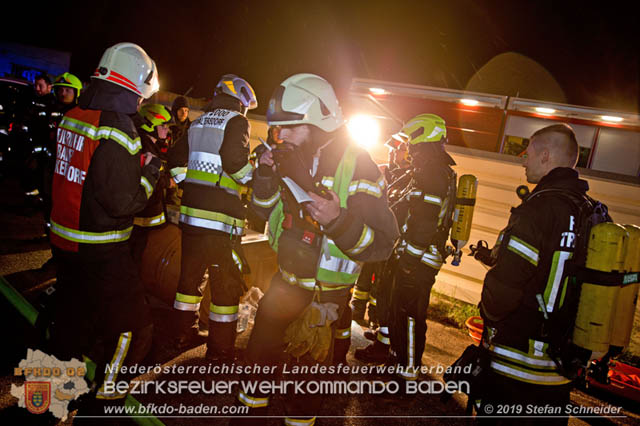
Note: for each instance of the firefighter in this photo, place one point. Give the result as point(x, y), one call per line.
point(420, 252)
point(381, 274)
point(322, 243)
point(152, 123)
point(212, 216)
point(98, 186)
point(529, 265)
point(67, 88)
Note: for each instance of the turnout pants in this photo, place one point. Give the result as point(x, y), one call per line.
point(408, 325)
point(100, 312)
point(281, 305)
point(216, 252)
point(504, 400)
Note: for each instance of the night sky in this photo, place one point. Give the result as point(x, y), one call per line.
point(584, 53)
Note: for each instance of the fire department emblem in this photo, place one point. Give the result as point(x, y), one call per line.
point(37, 396)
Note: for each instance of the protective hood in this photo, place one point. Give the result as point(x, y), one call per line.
point(104, 96)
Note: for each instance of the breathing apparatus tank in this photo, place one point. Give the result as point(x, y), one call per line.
point(628, 296)
point(597, 303)
point(463, 214)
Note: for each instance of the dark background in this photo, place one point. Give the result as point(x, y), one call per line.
point(584, 53)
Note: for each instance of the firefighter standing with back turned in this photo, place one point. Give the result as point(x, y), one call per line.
point(529, 266)
point(212, 216)
point(420, 252)
point(321, 243)
point(98, 186)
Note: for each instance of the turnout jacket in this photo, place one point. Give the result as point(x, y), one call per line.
point(531, 254)
point(153, 213)
point(98, 184)
point(216, 153)
point(425, 214)
point(331, 256)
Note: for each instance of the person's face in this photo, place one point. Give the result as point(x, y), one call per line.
point(41, 87)
point(65, 94)
point(535, 162)
point(163, 131)
point(296, 135)
point(182, 114)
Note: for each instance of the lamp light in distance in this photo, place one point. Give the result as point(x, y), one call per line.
point(364, 129)
point(469, 102)
point(377, 91)
point(544, 110)
point(611, 118)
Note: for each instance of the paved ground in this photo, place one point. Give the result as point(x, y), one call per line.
point(23, 251)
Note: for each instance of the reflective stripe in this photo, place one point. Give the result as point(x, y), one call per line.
point(95, 133)
point(408, 373)
point(223, 313)
point(410, 345)
point(365, 186)
point(529, 377)
point(178, 174)
point(209, 224)
point(343, 333)
point(243, 175)
point(186, 302)
point(205, 162)
point(148, 188)
point(366, 238)
point(251, 401)
point(90, 237)
point(382, 338)
point(414, 250)
point(211, 220)
point(522, 357)
point(555, 278)
point(237, 260)
point(432, 257)
point(181, 306)
point(308, 283)
point(150, 221)
point(360, 294)
point(526, 251)
point(131, 145)
point(223, 182)
point(269, 202)
point(289, 421)
point(373, 301)
point(116, 363)
point(432, 199)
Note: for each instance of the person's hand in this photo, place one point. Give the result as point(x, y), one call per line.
point(322, 210)
point(148, 157)
point(266, 159)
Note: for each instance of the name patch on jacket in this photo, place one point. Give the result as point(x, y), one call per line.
point(214, 119)
point(68, 144)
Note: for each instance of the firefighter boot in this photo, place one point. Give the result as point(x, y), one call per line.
point(340, 349)
point(378, 353)
point(221, 340)
point(185, 331)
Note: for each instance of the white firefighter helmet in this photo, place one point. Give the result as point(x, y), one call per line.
point(305, 99)
point(129, 66)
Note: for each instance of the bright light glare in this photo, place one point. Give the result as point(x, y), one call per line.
point(377, 90)
point(469, 102)
point(612, 118)
point(544, 110)
point(365, 130)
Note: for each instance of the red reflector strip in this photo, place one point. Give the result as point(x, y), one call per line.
point(125, 83)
